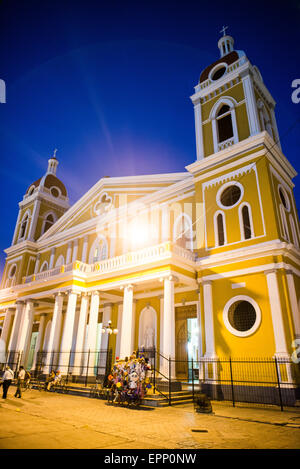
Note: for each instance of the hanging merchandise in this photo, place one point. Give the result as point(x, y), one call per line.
point(128, 381)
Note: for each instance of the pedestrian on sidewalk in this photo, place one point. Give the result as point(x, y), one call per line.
point(20, 382)
point(7, 378)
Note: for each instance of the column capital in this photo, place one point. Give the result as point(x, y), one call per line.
point(206, 282)
point(43, 315)
point(59, 293)
point(95, 293)
point(289, 272)
point(19, 302)
point(270, 271)
point(108, 305)
point(128, 287)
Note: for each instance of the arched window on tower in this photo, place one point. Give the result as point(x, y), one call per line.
point(23, 226)
point(246, 221)
point(220, 233)
point(224, 123)
point(49, 220)
point(224, 126)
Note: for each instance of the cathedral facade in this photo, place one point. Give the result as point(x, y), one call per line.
point(202, 263)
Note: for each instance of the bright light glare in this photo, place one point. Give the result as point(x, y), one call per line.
point(138, 234)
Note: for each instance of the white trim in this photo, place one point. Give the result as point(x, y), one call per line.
point(280, 186)
point(215, 69)
point(50, 212)
point(42, 269)
point(102, 251)
point(60, 261)
point(28, 215)
point(232, 103)
point(226, 320)
point(294, 232)
point(284, 225)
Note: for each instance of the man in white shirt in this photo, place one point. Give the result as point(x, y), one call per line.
point(20, 382)
point(7, 378)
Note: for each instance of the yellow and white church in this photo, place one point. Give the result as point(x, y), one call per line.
point(201, 263)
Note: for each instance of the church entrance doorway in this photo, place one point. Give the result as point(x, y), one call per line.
point(186, 340)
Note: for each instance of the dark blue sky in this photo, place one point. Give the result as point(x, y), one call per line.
point(108, 84)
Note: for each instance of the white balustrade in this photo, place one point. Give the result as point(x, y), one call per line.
point(142, 256)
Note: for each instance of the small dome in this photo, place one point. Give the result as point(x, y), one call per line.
point(49, 181)
point(227, 59)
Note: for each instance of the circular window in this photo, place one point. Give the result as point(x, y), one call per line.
point(230, 195)
point(218, 71)
point(54, 191)
point(242, 316)
point(284, 198)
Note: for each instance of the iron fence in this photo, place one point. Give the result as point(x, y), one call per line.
point(266, 381)
point(274, 381)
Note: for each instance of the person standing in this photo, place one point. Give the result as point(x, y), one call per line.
point(7, 378)
point(20, 382)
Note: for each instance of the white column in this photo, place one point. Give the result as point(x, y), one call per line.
point(293, 302)
point(75, 250)
point(69, 253)
point(92, 331)
point(161, 328)
point(52, 258)
point(39, 339)
point(250, 103)
point(25, 330)
point(54, 336)
point(16, 325)
point(210, 350)
point(119, 327)
point(168, 349)
point(37, 264)
point(67, 335)
point(276, 312)
point(84, 249)
point(209, 320)
point(6, 326)
point(79, 346)
point(127, 323)
point(198, 128)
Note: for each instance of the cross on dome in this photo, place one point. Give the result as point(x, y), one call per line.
point(223, 30)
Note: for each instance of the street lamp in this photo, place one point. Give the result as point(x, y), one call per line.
point(109, 331)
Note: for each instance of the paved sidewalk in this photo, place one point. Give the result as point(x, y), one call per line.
point(56, 421)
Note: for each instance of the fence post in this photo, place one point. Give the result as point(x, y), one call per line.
point(231, 380)
point(170, 365)
point(278, 382)
point(193, 391)
point(87, 368)
point(154, 366)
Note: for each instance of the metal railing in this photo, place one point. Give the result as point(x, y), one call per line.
point(265, 381)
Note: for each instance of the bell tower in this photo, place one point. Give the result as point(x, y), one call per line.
point(231, 102)
point(44, 202)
